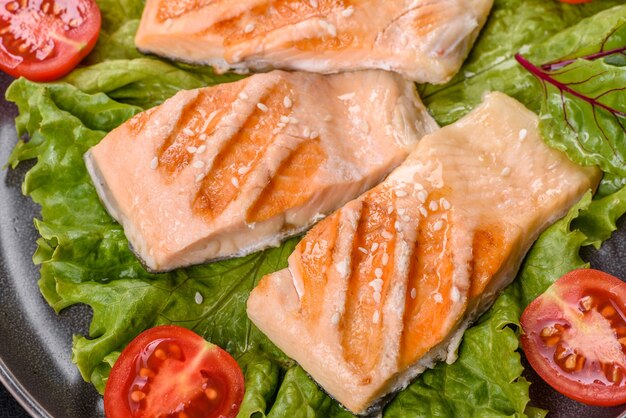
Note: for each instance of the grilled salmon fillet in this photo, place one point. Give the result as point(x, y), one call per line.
point(424, 40)
point(226, 170)
point(384, 287)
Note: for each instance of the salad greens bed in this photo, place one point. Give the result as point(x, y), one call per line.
point(85, 258)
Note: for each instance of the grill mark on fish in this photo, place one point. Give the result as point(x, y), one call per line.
point(487, 247)
point(284, 190)
point(173, 154)
point(432, 276)
point(368, 283)
point(223, 182)
point(314, 262)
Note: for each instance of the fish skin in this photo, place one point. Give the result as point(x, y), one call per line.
point(465, 208)
point(424, 40)
point(227, 170)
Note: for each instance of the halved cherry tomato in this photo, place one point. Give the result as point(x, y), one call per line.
point(43, 40)
point(171, 372)
point(575, 337)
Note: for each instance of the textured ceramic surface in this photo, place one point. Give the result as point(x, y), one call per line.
point(35, 343)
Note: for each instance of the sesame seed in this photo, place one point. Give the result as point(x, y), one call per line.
point(262, 107)
point(406, 218)
point(401, 193)
point(192, 150)
point(401, 211)
point(438, 298)
point(376, 297)
point(375, 317)
point(523, 134)
point(201, 149)
point(378, 273)
point(348, 12)
point(389, 210)
point(198, 298)
point(168, 23)
point(243, 96)
point(423, 211)
point(307, 132)
point(386, 235)
point(455, 294)
point(243, 170)
point(249, 28)
point(329, 27)
point(335, 318)
point(506, 171)
point(293, 120)
point(287, 102)
point(438, 225)
point(385, 259)
point(342, 267)
point(234, 181)
point(188, 132)
point(313, 3)
point(347, 96)
point(199, 177)
point(203, 137)
point(154, 163)
point(374, 247)
point(363, 250)
point(413, 293)
point(198, 164)
point(445, 204)
point(433, 206)
point(397, 226)
point(376, 284)
point(422, 196)
point(284, 119)
point(314, 135)
point(332, 30)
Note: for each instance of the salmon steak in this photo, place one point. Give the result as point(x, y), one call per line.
point(424, 40)
point(383, 288)
point(223, 171)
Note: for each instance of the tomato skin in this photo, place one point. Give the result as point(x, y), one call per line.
point(176, 381)
point(582, 318)
point(73, 33)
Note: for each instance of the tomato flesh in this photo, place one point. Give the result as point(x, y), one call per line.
point(575, 337)
point(43, 40)
point(171, 372)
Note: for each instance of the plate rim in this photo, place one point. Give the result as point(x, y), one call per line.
point(21, 394)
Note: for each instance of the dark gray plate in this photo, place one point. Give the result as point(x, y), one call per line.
point(35, 343)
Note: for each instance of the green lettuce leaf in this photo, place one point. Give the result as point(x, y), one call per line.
point(588, 132)
point(85, 258)
point(145, 82)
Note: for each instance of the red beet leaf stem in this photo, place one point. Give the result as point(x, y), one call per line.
point(557, 65)
point(541, 75)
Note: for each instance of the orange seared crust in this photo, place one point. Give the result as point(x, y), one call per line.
point(372, 259)
point(286, 188)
